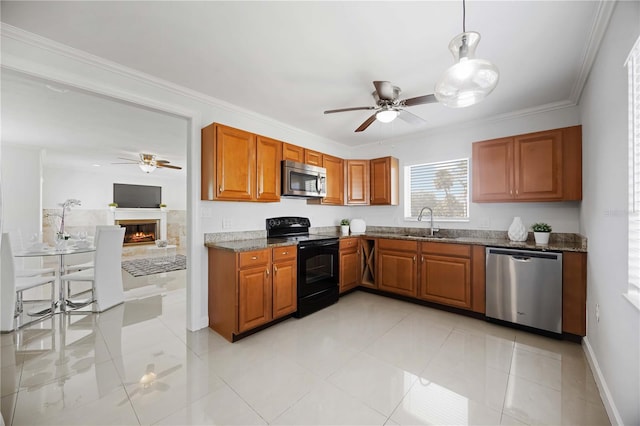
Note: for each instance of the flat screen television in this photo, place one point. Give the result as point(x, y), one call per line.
point(137, 196)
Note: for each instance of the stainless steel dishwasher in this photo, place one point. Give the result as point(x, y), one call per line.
point(525, 287)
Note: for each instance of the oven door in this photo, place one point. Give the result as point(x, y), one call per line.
point(317, 268)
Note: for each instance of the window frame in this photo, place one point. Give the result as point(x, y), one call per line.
point(407, 192)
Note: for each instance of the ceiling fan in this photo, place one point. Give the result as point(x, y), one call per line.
point(149, 163)
point(388, 106)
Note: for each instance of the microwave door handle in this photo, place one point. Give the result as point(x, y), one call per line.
point(318, 184)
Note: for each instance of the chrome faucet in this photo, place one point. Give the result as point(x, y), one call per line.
point(430, 215)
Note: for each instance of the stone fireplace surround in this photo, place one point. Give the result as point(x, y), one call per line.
point(173, 226)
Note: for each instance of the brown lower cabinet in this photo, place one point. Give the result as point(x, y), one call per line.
point(250, 289)
point(349, 261)
point(445, 274)
point(397, 267)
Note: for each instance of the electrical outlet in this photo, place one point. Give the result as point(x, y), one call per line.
point(227, 223)
point(597, 312)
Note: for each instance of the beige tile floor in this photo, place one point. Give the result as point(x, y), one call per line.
point(366, 360)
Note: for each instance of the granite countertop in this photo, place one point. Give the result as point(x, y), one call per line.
point(561, 242)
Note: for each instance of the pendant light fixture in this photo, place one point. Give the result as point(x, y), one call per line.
point(469, 80)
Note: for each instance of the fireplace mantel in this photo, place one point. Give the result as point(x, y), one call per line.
point(142, 214)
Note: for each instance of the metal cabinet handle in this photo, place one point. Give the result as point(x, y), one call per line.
point(275, 269)
point(511, 192)
point(422, 259)
point(254, 257)
point(285, 252)
point(414, 259)
point(516, 192)
point(267, 271)
point(220, 188)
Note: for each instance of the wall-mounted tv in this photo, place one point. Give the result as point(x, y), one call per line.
point(137, 196)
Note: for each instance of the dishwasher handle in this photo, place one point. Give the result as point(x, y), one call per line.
point(521, 258)
point(524, 254)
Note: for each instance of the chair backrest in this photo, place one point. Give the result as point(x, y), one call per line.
point(108, 267)
point(100, 228)
point(7, 283)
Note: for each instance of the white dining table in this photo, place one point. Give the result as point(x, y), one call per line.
point(68, 249)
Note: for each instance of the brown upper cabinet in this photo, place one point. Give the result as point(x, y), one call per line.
point(313, 158)
point(357, 182)
point(384, 174)
point(239, 166)
point(334, 183)
point(292, 152)
point(541, 166)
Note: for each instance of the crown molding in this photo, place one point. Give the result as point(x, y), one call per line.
point(598, 29)
point(57, 48)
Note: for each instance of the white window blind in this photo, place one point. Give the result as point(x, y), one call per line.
point(633, 66)
point(443, 186)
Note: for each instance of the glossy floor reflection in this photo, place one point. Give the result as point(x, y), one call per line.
point(366, 360)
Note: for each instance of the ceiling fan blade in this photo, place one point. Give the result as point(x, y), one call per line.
point(367, 123)
point(410, 118)
point(163, 161)
point(385, 90)
point(419, 100)
point(167, 166)
point(131, 164)
point(331, 111)
point(128, 159)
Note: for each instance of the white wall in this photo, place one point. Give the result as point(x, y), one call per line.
point(21, 172)
point(455, 143)
point(615, 339)
point(95, 189)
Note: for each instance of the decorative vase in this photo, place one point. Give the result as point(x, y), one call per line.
point(112, 208)
point(517, 231)
point(344, 229)
point(542, 238)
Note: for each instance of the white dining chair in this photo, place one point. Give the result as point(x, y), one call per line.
point(89, 264)
point(13, 287)
point(15, 237)
point(105, 277)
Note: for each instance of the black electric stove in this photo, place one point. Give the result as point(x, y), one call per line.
point(317, 262)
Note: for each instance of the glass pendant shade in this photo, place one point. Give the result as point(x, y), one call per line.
point(469, 80)
point(386, 115)
point(147, 168)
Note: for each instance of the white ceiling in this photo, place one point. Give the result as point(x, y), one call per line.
point(292, 60)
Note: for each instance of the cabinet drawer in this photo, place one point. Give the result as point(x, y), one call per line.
point(283, 253)
point(398, 245)
point(254, 258)
point(444, 249)
point(347, 243)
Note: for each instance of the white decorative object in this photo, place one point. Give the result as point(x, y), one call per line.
point(344, 229)
point(358, 226)
point(542, 238)
point(517, 231)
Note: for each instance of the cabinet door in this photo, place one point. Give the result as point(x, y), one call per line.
point(207, 166)
point(285, 286)
point(349, 260)
point(384, 181)
point(446, 280)
point(335, 180)
point(493, 170)
point(254, 297)
point(269, 153)
point(397, 272)
point(292, 152)
point(313, 158)
point(357, 181)
point(235, 164)
point(538, 166)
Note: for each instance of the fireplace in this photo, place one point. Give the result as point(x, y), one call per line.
point(140, 231)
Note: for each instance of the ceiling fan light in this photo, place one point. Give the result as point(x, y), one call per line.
point(146, 167)
point(469, 80)
point(386, 115)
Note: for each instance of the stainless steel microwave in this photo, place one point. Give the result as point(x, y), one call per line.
point(303, 180)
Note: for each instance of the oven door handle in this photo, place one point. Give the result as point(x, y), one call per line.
point(319, 244)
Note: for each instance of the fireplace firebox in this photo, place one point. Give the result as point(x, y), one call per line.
point(140, 231)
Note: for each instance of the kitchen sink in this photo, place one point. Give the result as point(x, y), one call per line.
point(438, 237)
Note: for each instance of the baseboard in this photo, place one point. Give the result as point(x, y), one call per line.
point(605, 394)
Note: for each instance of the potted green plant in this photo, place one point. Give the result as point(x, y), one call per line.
point(541, 232)
point(113, 206)
point(163, 207)
point(344, 226)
